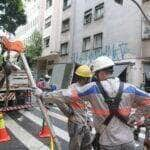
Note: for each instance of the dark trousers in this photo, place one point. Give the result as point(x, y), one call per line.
point(80, 137)
point(127, 146)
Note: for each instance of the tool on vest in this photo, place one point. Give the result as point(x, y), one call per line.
point(113, 104)
point(140, 138)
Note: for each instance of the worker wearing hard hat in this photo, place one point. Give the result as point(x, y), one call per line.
point(47, 79)
point(111, 102)
point(78, 120)
point(78, 123)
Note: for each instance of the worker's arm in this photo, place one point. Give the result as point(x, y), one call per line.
point(67, 95)
point(81, 93)
point(143, 101)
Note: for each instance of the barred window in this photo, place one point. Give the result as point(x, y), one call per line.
point(64, 48)
point(48, 22)
point(86, 44)
point(46, 41)
point(67, 3)
point(48, 3)
point(99, 11)
point(65, 25)
point(98, 40)
point(88, 17)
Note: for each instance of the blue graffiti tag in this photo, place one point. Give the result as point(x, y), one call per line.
point(114, 51)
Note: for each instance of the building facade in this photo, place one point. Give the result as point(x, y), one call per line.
point(146, 46)
point(103, 27)
point(79, 31)
point(34, 10)
point(51, 36)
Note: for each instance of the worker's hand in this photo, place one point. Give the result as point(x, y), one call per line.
point(38, 92)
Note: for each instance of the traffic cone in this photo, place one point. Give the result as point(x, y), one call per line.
point(3, 132)
point(45, 131)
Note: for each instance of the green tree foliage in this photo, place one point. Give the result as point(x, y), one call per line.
point(34, 49)
point(12, 15)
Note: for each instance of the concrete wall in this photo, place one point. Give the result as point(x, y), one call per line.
point(67, 36)
point(121, 28)
point(54, 30)
point(146, 42)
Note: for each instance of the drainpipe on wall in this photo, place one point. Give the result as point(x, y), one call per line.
point(74, 2)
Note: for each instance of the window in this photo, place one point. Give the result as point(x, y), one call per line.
point(98, 40)
point(88, 16)
point(65, 25)
point(48, 3)
point(86, 44)
point(67, 3)
point(64, 48)
point(48, 22)
point(99, 11)
point(46, 42)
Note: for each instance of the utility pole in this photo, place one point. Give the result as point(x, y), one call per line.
point(137, 4)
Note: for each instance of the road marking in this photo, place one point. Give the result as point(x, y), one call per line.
point(26, 138)
point(63, 118)
point(59, 132)
point(57, 116)
point(56, 108)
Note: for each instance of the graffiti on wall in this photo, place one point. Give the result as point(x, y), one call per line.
point(114, 51)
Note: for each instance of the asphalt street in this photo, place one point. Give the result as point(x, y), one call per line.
point(23, 126)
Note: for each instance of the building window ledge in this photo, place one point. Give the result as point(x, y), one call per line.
point(145, 1)
point(97, 48)
point(85, 50)
point(87, 23)
point(65, 30)
point(63, 54)
point(145, 38)
point(98, 18)
point(66, 7)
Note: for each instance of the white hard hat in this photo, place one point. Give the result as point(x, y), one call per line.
point(47, 76)
point(101, 63)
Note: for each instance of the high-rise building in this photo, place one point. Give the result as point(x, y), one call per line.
point(81, 30)
point(102, 27)
point(34, 11)
point(51, 36)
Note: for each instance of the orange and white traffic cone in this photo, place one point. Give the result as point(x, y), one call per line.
point(45, 131)
point(4, 136)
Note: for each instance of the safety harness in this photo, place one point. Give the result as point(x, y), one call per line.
point(113, 104)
